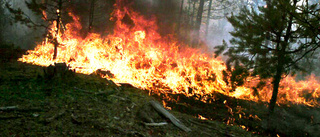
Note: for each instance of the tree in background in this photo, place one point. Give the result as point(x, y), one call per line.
point(50, 11)
point(218, 9)
point(180, 15)
point(196, 13)
point(198, 24)
point(91, 14)
point(292, 31)
point(166, 11)
point(208, 17)
point(2, 21)
point(94, 16)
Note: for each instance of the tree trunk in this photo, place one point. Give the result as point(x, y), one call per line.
point(180, 16)
point(281, 62)
point(56, 43)
point(189, 8)
point(198, 24)
point(192, 15)
point(208, 18)
point(91, 15)
point(276, 82)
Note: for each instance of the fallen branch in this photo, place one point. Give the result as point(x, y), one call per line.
point(121, 98)
point(95, 93)
point(75, 120)
point(55, 116)
point(209, 127)
point(202, 124)
point(126, 132)
point(155, 124)
point(85, 91)
point(160, 109)
point(16, 108)
point(116, 87)
point(8, 108)
point(10, 117)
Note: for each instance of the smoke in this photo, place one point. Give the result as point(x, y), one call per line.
point(218, 31)
point(94, 13)
point(17, 33)
point(166, 12)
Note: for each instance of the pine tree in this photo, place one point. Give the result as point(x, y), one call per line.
point(49, 10)
point(271, 42)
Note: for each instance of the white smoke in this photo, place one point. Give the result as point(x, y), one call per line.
point(19, 34)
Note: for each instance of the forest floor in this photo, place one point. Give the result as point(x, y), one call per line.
point(33, 104)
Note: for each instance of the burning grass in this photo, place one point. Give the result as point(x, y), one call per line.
point(188, 79)
point(137, 54)
point(80, 105)
point(287, 120)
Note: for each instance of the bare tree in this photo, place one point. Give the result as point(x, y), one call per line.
point(208, 17)
point(198, 24)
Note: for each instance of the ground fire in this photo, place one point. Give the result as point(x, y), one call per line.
point(139, 55)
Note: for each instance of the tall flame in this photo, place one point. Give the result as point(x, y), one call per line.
point(139, 55)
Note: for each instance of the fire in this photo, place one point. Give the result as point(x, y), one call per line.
point(139, 55)
point(301, 92)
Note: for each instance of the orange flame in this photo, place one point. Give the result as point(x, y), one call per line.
point(301, 92)
point(139, 55)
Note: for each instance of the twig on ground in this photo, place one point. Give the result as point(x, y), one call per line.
point(155, 124)
point(116, 87)
point(8, 108)
point(95, 93)
point(126, 132)
point(202, 124)
point(16, 108)
point(85, 91)
point(10, 117)
point(75, 119)
point(121, 98)
point(55, 116)
point(209, 127)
